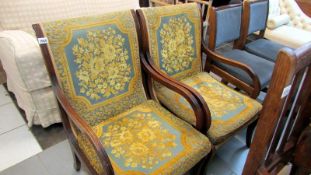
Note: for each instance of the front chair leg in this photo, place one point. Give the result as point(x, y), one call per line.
point(249, 133)
point(76, 162)
point(199, 169)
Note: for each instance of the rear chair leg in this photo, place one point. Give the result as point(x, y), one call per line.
point(249, 133)
point(76, 162)
point(199, 169)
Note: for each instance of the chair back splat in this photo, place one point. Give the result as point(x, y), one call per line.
point(286, 113)
point(226, 25)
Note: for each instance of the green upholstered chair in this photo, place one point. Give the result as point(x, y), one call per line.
point(254, 17)
point(172, 42)
point(112, 126)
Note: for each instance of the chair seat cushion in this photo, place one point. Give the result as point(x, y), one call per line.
point(230, 110)
point(147, 139)
point(264, 48)
point(261, 67)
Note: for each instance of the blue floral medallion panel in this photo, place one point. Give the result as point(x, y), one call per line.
point(177, 49)
point(100, 62)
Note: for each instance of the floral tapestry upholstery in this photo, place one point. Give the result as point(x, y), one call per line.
point(97, 63)
point(174, 35)
point(147, 139)
point(229, 109)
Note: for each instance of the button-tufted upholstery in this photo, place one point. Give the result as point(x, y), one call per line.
point(298, 29)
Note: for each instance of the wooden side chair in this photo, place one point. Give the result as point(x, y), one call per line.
point(247, 71)
point(282, 133)
point(94, 65)
point(172, 42)
point(254, 17)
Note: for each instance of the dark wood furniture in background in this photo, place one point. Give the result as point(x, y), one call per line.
point(305, 5)
point(285, 115)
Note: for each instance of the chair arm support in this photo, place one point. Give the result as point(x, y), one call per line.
point(84, 128)
point(216, 57)
point(198, 104)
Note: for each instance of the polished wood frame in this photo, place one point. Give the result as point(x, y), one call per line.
point(305, 6)
point(278, 136)
point(70, 118)
point(154, 71)
point(253, 89)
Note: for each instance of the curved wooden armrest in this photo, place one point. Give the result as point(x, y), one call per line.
point(216, 57)
point(85, 129)
point(198, 104)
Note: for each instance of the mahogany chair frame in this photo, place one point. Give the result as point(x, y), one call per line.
point(240, 43)
point(252, 89)
point(286, 113)
point(154, 71)
point(70, 118)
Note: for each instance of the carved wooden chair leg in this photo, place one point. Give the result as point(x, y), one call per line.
point(249, 133)
point(76, 162)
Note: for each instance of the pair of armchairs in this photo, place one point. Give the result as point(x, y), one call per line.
point(114, 124)
point(249, 64)
point(287, 24)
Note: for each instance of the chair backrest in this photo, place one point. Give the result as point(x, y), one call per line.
point(172, 37)
point(257, 11)
point(224, 25)
point(285, 113)
point(96, 63)
point(254, 17)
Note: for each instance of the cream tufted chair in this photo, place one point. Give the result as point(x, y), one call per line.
point(20, 55)
point(287, 24)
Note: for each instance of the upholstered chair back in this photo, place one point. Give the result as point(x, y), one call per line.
point(227, 24)
point(258, 16)
point(96, 61)
point(174, 38)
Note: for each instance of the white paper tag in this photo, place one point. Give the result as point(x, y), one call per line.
point(43, 40)
point(286, 91)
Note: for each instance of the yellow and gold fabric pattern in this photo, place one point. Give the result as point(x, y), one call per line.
point(229, 109)
point(147, 139)
point(97, 63)
point(174, 35)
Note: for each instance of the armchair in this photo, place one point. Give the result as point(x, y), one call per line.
point(20, 54)
point(94, 65)
point(172, 39)
point(246, 71)
point(254, 17)
point(293, 27)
